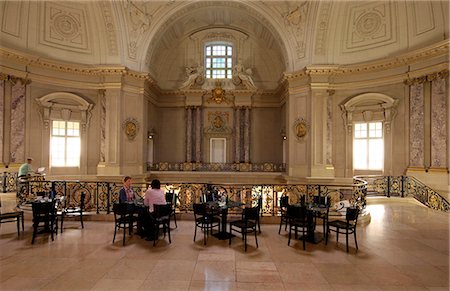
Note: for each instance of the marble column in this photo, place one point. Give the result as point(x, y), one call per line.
point(188, 134)
point(102, 97)
point(237, 138)
point(2, 96)
point(198, 134)
point(416, 124)
point(112, 163)
point(18, 122)
point(329, 125)
point(247, 135)
point(438, 122)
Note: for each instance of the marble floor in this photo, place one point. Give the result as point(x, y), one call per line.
point(405, 246)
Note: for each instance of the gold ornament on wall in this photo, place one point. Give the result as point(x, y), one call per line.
point(301, 128)
point(218, 94)
point(131, 128)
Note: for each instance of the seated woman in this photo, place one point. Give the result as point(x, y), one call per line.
point(153, 195)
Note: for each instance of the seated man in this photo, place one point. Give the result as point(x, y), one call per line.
point(26, 169)
point(126, 194)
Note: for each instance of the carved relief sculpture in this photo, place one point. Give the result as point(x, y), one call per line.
point(195, 77)
point(242, 76)
point(131, 128)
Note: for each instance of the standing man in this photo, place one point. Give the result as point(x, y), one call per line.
point(126, 194)
point(26, 168)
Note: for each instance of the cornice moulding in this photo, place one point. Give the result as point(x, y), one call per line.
point(436, 50)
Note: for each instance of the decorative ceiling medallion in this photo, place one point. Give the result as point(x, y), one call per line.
point(300, 128)
point(131, 127)
point(66, 25)
point(368, 24)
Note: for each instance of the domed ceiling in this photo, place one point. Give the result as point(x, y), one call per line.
point(272, 37)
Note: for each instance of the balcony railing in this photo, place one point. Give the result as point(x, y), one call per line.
point(100, 196)
point(405, 186)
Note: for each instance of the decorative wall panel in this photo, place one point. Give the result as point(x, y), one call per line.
point(416, 126)
point(438, 124)
point(322, 28)
point(110, 27)
point(12, 17)
point(65, 27)
point(369, 25)
point(18, 123)
point(423, 17)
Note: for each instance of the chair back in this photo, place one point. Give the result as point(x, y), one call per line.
point(169, 197)
point(162, 210)
point(321, 200)
point(251, 213)
point(296, 212)
point(42, 209)
point(284, 201)
point(120, 209)
point(199, 209)
point(352, 215)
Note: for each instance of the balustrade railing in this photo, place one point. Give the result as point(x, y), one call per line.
point(217, 167)
point(100, 196)
point(405, 186)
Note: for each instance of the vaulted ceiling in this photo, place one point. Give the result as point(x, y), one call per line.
point(162, 37)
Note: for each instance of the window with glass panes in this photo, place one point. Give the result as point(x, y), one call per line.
point(65, 144)
point(368, 146)
point(218, 61)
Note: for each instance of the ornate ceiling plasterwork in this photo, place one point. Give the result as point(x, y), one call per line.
point(440, 49)
point(259, 23)
point(65, 27)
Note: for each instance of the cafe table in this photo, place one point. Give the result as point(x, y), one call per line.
point(313, 211)
point(223, 207)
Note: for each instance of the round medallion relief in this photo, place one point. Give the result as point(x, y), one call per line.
point(66, 25)
point(368, 23)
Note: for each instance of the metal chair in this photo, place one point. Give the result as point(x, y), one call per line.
point(284, 203)
point(161, 216)
point(122, 219)
point(204, 220)
point(297, 217)
point(73, 211)
point(345, 227)
point(12, 215)
point(44, 217)
point(172, 199)
point(246, 225)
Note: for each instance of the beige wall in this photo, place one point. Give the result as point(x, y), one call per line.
point(266, 140)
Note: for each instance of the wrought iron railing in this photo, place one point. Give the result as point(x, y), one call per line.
point(100, 196)
point(405, 186)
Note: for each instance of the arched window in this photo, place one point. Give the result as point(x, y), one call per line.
point(368, 120)
point(219, 61)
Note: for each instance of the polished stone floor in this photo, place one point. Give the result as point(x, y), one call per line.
point(405, 246)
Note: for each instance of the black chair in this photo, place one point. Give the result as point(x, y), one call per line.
point(260, 205)
point(122, 219)
point(284, 203)
point(246, 225)
point(298, 218)
point(205, 220)
point(12, 215)
point(73, 211)
point(345, 227)
point(172, 199)
point(44, 218)
point(161, 218)
point(322, 202)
